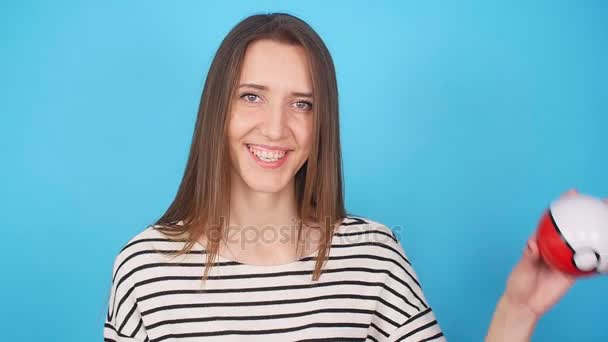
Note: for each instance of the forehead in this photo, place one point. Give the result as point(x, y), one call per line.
point(276, 65)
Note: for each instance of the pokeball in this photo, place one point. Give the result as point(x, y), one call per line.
point(572, 235)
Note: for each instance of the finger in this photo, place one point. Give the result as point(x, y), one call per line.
point(532, 249)
point(532, 239)
point(531, 256)
point(527, 268)
point(559, 277)
point(570, 192)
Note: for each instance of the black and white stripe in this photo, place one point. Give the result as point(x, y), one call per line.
point(367, 292)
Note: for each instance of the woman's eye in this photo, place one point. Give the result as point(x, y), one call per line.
point(249, 97)
point(304, 105)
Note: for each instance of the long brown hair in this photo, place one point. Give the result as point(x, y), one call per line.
point(201, 205)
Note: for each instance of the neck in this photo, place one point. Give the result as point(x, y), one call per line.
point(263, 226)
point(254, 210)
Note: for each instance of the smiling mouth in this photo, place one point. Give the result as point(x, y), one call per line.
point(267, 155)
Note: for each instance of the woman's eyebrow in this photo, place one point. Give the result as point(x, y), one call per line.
point(252, 85)
point(302, 94)
point(265, 88)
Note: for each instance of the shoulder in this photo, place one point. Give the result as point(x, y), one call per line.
point(141, 250)
point(370, 234)
point(376, 243)
point(402, 286)
point(381, 247)
point(150, 236)
point(353, 225)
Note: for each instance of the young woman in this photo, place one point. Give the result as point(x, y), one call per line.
point(257, 244)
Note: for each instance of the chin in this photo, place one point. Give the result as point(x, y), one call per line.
point(265, 185)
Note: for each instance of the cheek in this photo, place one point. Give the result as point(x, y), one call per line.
point(303, 134)
point(240, 124)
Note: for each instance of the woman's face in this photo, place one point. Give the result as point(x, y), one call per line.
point(270, 126)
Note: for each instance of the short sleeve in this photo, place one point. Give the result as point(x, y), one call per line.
point(123, 321)
point(421, 325)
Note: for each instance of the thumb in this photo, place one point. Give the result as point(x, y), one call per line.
point(531, 253)
point(530, 260)
point(525, 272)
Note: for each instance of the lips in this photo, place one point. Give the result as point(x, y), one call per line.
point(268, 148)
point(267, 155)
point(267, 158)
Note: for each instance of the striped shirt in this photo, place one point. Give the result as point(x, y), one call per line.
point(368, 291)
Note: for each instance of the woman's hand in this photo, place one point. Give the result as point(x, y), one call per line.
point(532, 289)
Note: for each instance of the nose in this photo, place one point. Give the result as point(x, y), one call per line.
point(273, 125)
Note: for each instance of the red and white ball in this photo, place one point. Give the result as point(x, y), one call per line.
point(572, 235)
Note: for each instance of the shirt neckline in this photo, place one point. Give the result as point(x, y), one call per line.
point(301, 260)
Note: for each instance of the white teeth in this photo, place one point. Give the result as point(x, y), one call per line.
point(267, 156)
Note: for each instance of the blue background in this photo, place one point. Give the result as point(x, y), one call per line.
point(460, 122)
